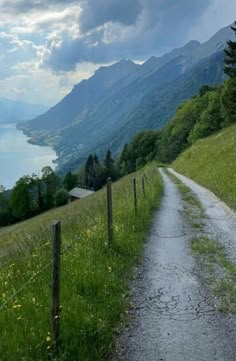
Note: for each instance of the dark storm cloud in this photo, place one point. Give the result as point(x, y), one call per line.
point(135, 29)
point(99, 12)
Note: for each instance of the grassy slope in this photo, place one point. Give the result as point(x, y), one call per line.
point(94, 287)
point(212, 163)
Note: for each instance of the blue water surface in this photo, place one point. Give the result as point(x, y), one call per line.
point(18, 157)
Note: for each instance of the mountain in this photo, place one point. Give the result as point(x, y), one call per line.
point(118, 101)
point(14, 111)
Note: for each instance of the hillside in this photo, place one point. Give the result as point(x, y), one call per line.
point(94, 282)
point(120, 100)
point(14, 111)
point(212, 163)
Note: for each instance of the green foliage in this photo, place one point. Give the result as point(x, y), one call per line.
point(140, 151)
point(230, 56)
point(210, 119)
point(20, 200)
point(212, 163)
point(70, 180)
point(6, 216)
point(229, 101)
point(51, 184)
point(174, 137)
point(61, 197)
point(229, 93)
point(109, 166)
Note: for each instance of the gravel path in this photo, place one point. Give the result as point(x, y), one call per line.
point(220, 219)
point(173, 315)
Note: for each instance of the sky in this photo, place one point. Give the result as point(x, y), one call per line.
point(48, 46)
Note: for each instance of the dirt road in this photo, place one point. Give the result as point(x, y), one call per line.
point(174, 317)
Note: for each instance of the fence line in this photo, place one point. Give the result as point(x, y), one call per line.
point(55, 261)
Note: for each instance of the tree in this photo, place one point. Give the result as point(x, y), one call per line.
point(61, 197)
point(229, 93)
point(109, 165)
point(210, 119)
point(70, 180)
point(89, 172)
point(5, 212)
point(230, 56)
point(50, 183)
point(126, 161)
point(20, 201)
point(94, 173)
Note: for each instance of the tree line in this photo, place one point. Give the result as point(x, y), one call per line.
point(35, 194)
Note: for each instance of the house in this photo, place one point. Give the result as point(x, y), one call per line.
point(78, 193)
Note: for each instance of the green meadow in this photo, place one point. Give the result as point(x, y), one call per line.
point(212, 163)
point(94, 275)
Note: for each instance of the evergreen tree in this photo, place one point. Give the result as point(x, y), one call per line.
point(70, 180)
point(230, 56)
point(109, 165)
point(20, 200)
point(229, 93)
point(89, 171)
point(51, 183)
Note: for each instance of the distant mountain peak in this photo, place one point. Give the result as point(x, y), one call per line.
point(122, 63)
point(192, 44)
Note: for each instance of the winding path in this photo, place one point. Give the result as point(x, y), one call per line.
point(174, 315)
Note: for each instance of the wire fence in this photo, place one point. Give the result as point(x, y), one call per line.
point(56, 238)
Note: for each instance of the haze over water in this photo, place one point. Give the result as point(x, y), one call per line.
point(19, 158)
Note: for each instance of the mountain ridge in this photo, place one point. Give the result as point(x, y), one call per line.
point(127, 96)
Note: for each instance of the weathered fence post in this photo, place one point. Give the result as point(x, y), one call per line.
point(109, 210)
point(135, 196)
point(56, 255)
point(143, 184)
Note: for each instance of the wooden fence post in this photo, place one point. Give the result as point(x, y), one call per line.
point(109, 211)
point(135, 196)
point(143, 184)
point(56, 255)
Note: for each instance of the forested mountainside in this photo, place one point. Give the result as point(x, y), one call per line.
point(106, 110)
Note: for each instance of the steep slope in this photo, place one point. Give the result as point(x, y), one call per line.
point(154, 109)
point(212, 163)
point(85, 95)
point(13, 111)
point(110, 107)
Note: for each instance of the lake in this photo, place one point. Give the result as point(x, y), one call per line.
point(18, 157)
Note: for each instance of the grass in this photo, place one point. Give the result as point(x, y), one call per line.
point(218, 271)
point(193, 209)
point(94, 276)
point(215, 260)
point(212, 163)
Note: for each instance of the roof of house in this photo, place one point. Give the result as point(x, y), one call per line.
point(80, 192)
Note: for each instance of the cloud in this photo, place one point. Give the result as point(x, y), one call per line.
point(14, 51)
point(58, 42)
point(27, 6)
point(97, 13)
point(115, 29)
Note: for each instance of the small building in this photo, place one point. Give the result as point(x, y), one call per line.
point(79, 193)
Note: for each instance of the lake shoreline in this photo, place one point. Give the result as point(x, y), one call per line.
point(19, 156)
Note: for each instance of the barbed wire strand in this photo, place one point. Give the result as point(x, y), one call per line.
point(66, 249)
